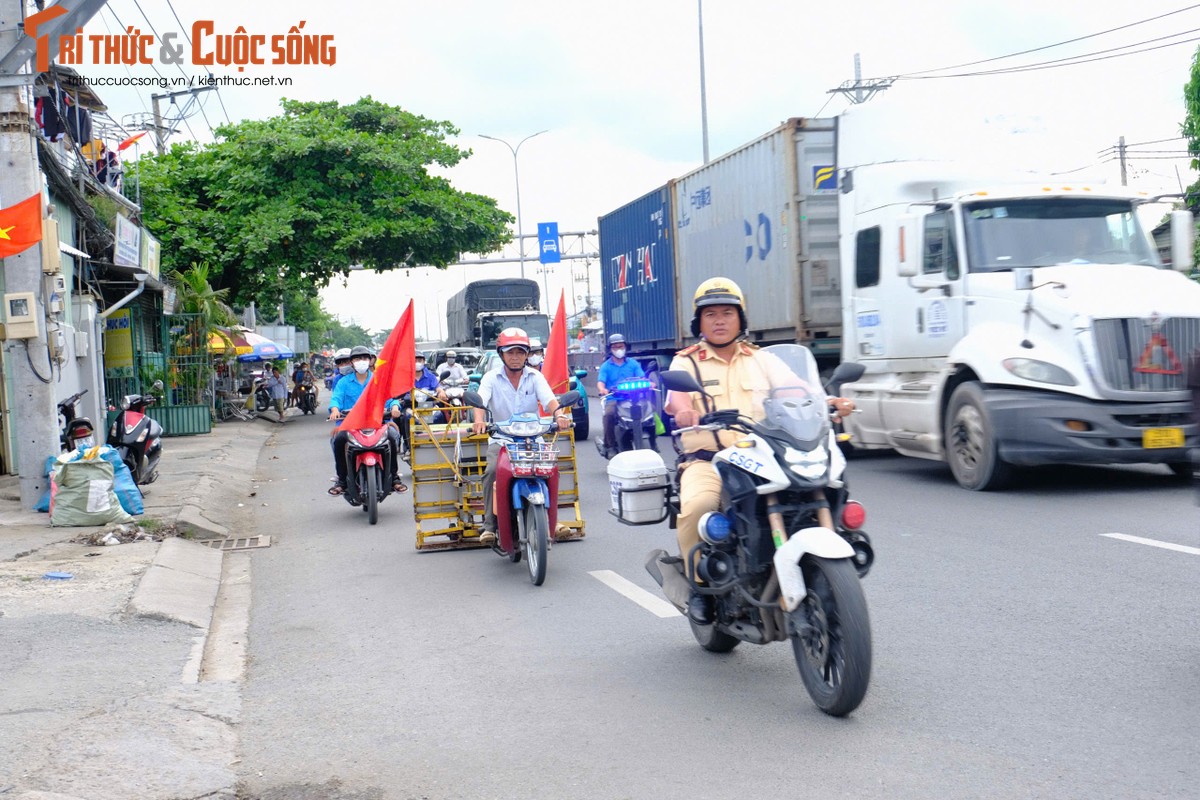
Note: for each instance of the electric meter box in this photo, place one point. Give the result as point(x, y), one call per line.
point(20, 316)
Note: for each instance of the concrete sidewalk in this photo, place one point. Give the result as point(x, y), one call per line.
point(103, 694)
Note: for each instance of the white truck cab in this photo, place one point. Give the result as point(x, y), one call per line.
point(1011, 321)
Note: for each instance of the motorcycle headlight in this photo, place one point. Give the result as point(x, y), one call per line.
point(527, 427)
point(808, 464)
point(1041, 371)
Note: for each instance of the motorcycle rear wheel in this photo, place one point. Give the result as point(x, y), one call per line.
point(372, 491)
point(833, 653)
point(537, 542)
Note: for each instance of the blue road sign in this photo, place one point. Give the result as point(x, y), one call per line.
point(548, 243)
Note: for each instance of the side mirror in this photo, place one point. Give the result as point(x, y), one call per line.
point(473, 399)
point(158, 385)
point(443, 375)
point(1183, 228)
point(568, 399)
point(679, 381)
point(846, 372)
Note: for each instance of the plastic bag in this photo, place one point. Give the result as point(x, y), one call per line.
point(128, 493)
point(659, 428)
point(43, 504)
point(81, 493)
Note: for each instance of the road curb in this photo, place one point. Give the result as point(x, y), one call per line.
point(180, 585)
point(191, 521)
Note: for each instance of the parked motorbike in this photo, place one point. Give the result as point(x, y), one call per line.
point(138, 438)
point(526, 490)
point(368, 469)
point(636, 400)
point(307, 401)
point(262, 397)
point(784, 474)
point(75, 432)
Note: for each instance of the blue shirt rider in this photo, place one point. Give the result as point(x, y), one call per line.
point(614, 370)
point(345, 394)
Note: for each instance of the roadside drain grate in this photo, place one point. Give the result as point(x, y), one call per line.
point(242, 543)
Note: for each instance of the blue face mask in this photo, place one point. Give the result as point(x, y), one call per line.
point(345, 369)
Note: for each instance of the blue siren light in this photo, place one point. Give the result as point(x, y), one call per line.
point(715, 527)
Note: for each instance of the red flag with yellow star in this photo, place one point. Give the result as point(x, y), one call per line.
point(20, 226)
point(395, 374)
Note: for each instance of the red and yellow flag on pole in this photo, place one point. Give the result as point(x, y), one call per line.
point(556, 369)
point(20, 226)
point(395, 374)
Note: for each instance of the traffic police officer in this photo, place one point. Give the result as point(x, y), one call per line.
point(736, 374)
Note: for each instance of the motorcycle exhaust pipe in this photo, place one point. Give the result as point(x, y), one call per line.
point(864, 554)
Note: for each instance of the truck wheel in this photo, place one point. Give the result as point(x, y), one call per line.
point(970, 442)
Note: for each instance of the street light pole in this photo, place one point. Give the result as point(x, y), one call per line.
point(517, 175)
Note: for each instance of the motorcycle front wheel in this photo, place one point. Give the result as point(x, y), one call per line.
point(371, 487)
point(832, 636)
point(711, 639)
point(537, 542)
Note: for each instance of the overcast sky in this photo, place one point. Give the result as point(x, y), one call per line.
point(616, 85)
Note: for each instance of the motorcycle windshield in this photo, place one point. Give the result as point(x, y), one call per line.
point(797, 405)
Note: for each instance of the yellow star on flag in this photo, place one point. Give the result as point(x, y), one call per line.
point(4, 232)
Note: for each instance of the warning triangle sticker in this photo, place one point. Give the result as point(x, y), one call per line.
point(1157, 350)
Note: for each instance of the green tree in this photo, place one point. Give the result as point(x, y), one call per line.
point(296, 199)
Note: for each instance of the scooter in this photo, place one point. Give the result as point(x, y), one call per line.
point(138, 438)
point(76, 431)
point(636, 401)
point(454, 389)
point(369, 462)
point(262, 397)
point(307, 401)
point(526, 489)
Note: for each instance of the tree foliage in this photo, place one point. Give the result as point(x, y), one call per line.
point(1191, 125)
point(297, 199)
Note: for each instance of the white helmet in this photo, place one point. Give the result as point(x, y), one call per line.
point(342, 355)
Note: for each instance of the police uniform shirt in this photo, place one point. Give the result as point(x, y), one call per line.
point(743, 382)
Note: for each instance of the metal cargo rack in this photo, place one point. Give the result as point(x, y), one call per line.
point(448, 462)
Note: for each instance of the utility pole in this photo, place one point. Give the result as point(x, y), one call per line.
point(1121, 152)
point(33, 421)
point(703, 93)
point(858, 90)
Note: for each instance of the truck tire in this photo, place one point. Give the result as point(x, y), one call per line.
point(969, 442)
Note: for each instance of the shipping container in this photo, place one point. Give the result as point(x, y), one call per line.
point(637, 266)
point(766, 215)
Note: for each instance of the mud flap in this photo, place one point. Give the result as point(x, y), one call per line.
point(667, 571)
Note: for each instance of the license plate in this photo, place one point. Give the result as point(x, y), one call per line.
point(1160, 438)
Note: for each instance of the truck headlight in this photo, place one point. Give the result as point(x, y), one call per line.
point(1041, 371)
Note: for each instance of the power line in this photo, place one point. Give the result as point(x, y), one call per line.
point(1070, 61)
point(1056, 44)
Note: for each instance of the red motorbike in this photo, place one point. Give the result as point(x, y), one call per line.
point(368, 465)
point(526, 488)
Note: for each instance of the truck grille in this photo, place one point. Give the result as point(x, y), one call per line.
point(1134, 359)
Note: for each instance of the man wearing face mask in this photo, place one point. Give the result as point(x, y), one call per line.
point(457, 371)
point(612, 371)
point(424, 379)
point(345, 395)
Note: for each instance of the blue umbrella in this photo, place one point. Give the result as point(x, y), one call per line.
point(263, 349)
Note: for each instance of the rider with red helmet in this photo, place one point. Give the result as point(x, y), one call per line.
point(515, 389)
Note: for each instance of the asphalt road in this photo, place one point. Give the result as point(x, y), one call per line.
point(1020, 651)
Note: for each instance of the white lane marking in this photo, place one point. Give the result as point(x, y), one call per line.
point(1182, 548)
point(655, 605)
